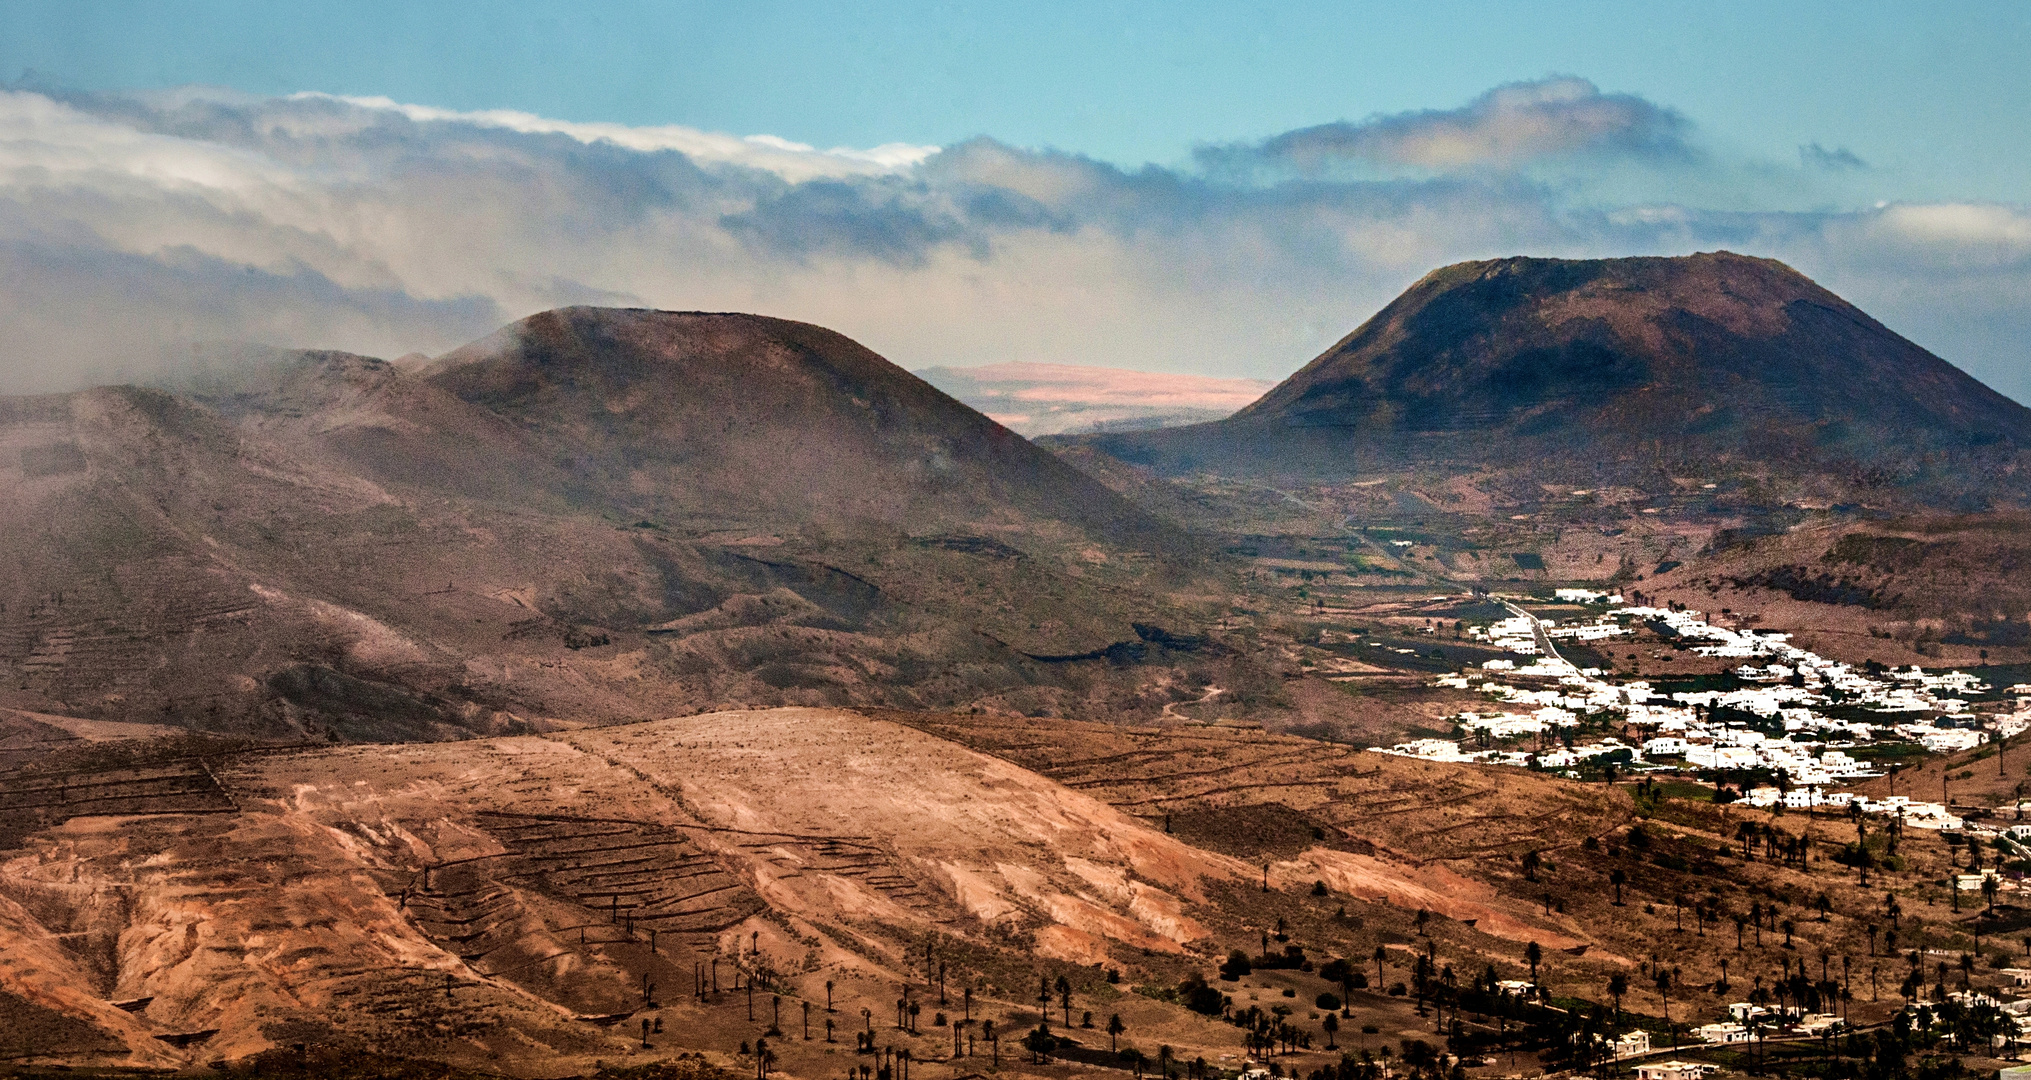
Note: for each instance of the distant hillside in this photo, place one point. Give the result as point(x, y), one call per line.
point(590, 515)
point(1618, 370)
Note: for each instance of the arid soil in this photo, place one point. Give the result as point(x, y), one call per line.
point(501, 903)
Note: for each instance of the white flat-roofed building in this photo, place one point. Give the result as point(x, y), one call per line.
point(1722, 1033)
point(1674, 1070)
point(1634, 1044)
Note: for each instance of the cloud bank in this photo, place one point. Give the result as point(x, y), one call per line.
point(132, 226)
point(1506, 127)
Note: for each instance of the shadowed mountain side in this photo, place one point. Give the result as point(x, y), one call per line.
point(1593, 371)
point(373, 419)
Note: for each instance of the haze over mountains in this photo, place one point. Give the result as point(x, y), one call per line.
point(1617, 371)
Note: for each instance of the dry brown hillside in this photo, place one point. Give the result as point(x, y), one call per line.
point(523, 903)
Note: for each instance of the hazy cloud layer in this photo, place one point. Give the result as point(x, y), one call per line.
point(1815, 156)
point(131, 226)
point(1506, 127)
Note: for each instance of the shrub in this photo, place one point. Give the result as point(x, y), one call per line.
point(1235, 966)
point(1327, 1001)
point(1199, 997)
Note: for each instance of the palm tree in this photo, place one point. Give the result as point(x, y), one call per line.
point(1114, 1029)
point(1381, 954)
point(1664, 994)
point(1065, 998)
point(1617, 878)
point(1533, 953)
point(1989, 888)
point(1332, 1024)
point(1740, 922)
point(828, 995)
point(1618, 984)
point(1788, 927)
point(1531, 861)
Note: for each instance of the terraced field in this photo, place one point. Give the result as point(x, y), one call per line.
point(529, 902)
point(1412, 810)
point(462, 901)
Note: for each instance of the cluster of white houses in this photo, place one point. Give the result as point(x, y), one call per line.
point(1746, 1022)
point(1771, 721)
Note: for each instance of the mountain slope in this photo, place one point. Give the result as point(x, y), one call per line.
point(592, 516)
point(1608, 370)
point(738, 415)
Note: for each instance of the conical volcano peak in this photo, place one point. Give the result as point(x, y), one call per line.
point(1602, 369)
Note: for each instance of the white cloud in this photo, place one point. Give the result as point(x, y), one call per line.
point(793, 161)
point(131, 223)
point(1506, 127)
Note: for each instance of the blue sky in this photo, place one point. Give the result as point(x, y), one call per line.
point(1212, 188)
point(1933, 94)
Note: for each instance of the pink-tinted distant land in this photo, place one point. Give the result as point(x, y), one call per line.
point(1051, 399)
